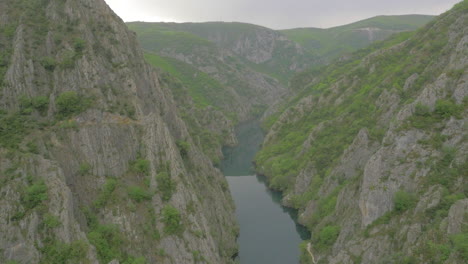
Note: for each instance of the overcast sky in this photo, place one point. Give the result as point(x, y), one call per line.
point(276, 14)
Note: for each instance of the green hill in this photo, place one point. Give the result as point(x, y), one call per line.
point(333, 42)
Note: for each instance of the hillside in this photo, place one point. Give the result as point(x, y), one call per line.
point(260, 48)
point(373, 150)
point(333, 42)
point(98, 163)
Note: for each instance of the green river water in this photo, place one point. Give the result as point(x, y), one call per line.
point(268, 231)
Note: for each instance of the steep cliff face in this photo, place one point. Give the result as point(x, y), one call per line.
point(374, 153)
point(96, 164)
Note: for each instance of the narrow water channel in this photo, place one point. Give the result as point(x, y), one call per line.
point(268, 231)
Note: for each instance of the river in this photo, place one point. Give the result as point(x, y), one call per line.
point(268, 231)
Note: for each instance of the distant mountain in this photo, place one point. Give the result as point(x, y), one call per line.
point(333, 42)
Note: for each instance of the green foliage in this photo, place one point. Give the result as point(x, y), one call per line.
point(202, 89)
point(172, 220)
point(70, 103)
point(107, 239)
point(166, 186)
point(79, 45)
point(184, 148)
point(57, 252)
point(403, 201)
point(13, 129)
point(141, 166)
point(445, 171)
point(32, 147)
point(327, 236)
point(325, 206)
point(447, 108)
point(460, 243)
point(138, 194)
point(48, 63)
point(132, 260)
point(84, 169)
point(39, 103)
point(35, 195)
point(51, 221)
point(106, 193)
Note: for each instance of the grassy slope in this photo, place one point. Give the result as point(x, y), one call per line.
point(332, 42)
point(203, 89)
point(282, 159)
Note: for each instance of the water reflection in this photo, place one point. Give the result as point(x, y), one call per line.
point(267, 232)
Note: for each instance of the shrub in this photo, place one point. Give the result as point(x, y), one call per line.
point(79, 45)
point(51, 221)
point(460, 242)
point(106, 193)
point(140, 166)
point(40, 103)
point(35, 195)
point(84, 169)
point(184, 147)
point(56, 252)
point(70, 103)
point(403, 201)
point(165, 185)
point(422, 110)
point(328, 236)
point(447, 108)
point(171, 220)
point(48, 63)
point(132, 260)
point(138, 194)
point(107, 239)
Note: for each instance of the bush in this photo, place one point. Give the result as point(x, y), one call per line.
point(165, 185)
point(132, 260)
point(106, 193)
point(422, 110)
point(51, 221)
point(56, 252)
point(35, 195)
point(48, 63)
point(40, 103)
point(140, 166)
point(138, 194)
point(460, 242)
point(403, 201)
point(79, 45)
point(328, 236)
point(107, 239)
point(447, 108)
point(84, 169)
point(69, 103)
point(184, 147)
point(171, 220)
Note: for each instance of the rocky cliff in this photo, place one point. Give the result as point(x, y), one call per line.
point(96, 163)
point(373, 151)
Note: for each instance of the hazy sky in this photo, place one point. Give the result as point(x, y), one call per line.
point(276, 14)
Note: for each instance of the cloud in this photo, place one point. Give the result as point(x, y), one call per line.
point(273, 13)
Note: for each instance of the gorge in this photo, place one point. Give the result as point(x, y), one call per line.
point(135, 142)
